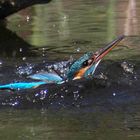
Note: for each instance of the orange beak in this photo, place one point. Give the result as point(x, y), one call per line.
point(96, 58)
point(104, 51)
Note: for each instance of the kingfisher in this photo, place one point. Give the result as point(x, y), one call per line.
point(83, 67)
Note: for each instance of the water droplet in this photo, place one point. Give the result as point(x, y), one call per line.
point(15, 103)
point(114, 94)
point(78, 49)
point(23, 58)
point(19, 88)
point(135, 77)
point(12, 3)
point(65, 17)
point(25, 70)
point(43, 94)
point(61, 71)
point(27, 18)
point(37, 94)
point(43, 49)
point(62, 96)
point(34, 101)
point(129, 68)
point(20, 50)
point(0, 62)
point(66, 90)
point(75, 92)
point(55, 67)
point(76, 95)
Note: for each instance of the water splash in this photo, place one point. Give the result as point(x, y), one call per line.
point(127, 67)
point(26, 69)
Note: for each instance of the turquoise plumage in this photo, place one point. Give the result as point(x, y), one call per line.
point(77, 65)
point(22, 85)
point(48, 77)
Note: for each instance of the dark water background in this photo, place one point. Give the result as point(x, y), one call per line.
point(100, 109)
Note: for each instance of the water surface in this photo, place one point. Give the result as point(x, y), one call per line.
point(99, 109)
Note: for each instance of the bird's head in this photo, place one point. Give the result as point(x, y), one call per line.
point(87, 64)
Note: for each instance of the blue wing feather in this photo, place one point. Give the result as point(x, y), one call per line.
point(45, 77)
point(49, 77)
point(21, 85)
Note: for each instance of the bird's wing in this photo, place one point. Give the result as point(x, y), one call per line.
point(21, 85)
point(45, 78)
point(48, 77)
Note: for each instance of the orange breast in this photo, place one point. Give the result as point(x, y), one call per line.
point(80, 73)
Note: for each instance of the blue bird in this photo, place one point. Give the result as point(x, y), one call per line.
point(84, 67)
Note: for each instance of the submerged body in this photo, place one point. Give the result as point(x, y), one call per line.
point(84, 67)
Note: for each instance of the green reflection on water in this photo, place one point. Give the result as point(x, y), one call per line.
point(111, 20)
point(39, 125)
point(64, 24)
point(69, 27)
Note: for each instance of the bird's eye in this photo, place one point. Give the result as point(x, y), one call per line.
point(87, 63)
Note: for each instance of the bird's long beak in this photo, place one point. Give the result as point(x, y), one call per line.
point(97, 57)
point(104, 51)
